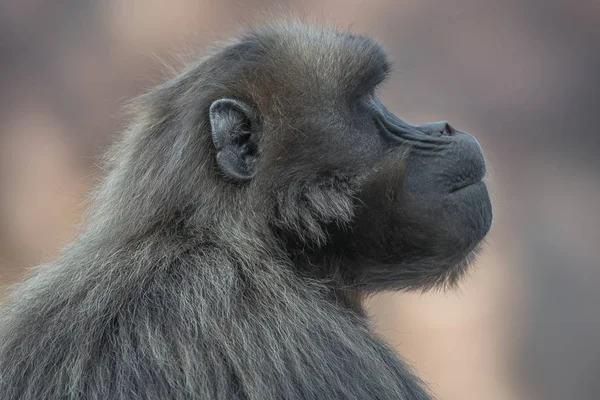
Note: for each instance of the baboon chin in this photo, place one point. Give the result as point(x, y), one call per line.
point(255, 198)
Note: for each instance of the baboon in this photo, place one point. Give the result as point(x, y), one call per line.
point(253, 202)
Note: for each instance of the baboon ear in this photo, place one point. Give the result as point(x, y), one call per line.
point(233, 125)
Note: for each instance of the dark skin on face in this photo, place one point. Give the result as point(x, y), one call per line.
point(420, 205)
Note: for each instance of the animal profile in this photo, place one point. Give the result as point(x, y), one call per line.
point(254, 201)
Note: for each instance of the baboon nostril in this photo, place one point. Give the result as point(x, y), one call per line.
point(441, 128)
point(447, 130)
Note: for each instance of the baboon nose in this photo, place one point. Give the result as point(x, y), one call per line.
point(442, 128)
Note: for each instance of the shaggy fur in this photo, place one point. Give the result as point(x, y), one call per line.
point(187, 285)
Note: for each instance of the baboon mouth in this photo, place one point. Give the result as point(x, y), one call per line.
point(467, 184)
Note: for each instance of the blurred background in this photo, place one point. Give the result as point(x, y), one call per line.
point(523, 76)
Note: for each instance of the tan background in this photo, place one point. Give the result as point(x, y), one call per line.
point(524, 76)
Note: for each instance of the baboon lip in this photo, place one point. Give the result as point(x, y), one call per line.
point(467, 184)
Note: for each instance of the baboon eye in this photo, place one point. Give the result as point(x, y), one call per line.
point(369, 101)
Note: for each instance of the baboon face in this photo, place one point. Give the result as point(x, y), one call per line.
point(339, 171)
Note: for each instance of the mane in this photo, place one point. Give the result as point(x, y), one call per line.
point(179, 285)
